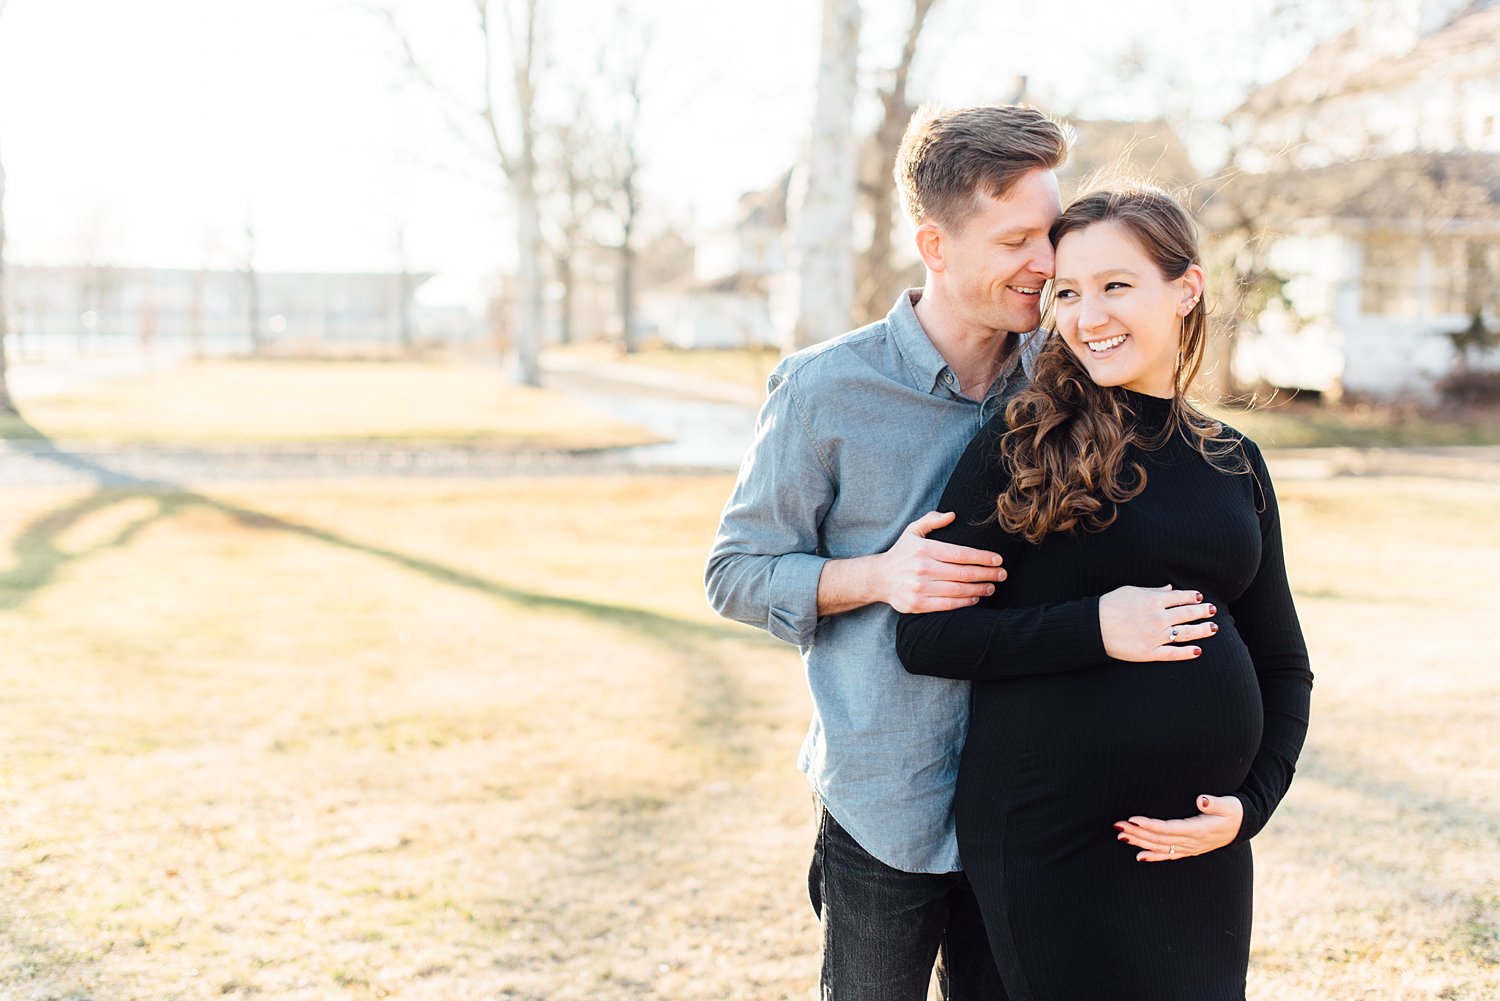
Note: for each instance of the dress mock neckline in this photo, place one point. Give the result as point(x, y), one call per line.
point(1153, 410)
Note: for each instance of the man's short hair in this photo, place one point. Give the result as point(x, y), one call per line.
point(948, 158)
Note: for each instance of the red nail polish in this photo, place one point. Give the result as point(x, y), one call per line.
point(1197, 652)
point(1213, 627)
point(1197, 596)
point(1119, 827)
point(1212, 610)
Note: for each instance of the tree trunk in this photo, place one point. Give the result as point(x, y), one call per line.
point(628, 334)
point(627, 297)
point(878, 271)
point(522, 174)
point(252, 295)
point(7, 405)
point(564, 265)
point(825, 217)
point(528, 370)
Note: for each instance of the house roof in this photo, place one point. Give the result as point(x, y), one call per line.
point(1347, 65)
point(768, 206)
point(1473, 35)
point(1411, 190)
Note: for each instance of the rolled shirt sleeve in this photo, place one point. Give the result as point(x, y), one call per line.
point(765, 563)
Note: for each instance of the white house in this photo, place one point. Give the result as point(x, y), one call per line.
point(739, 268)
point(1377, 166)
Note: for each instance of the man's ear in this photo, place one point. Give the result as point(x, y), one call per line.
point(930, 246)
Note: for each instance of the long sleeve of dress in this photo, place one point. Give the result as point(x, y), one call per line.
point(1267, 622)
point(983, 641)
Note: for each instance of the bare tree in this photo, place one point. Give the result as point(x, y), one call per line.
point(878, 278)
point(7, 404)
point(828, 184)
point(571, 180)
point(405, 285)
point(627, 179)
point(506, 118)
point(252, 292)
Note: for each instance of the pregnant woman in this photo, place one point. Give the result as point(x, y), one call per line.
point(1111, 782)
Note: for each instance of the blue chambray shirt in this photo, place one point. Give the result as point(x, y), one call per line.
point(856, 440)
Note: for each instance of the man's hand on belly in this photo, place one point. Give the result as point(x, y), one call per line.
point(1170, 840)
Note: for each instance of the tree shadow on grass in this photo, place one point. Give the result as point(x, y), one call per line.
point(41, 554)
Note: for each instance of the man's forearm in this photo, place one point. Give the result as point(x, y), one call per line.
point(848, 584)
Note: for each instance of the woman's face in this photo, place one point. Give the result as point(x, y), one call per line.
point(1116, 312)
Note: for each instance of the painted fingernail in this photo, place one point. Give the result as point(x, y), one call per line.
point(1212, 610)
point(1122, 838)
point(1197, 596)
point(1197, 652)
point(1213, 627)
point(1119, 827)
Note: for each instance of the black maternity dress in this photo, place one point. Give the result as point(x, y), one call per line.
point(1064, 741)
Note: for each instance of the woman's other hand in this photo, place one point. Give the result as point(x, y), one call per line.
point(1169, 840)
point(1147, 623)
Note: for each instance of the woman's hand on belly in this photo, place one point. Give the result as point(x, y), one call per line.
point(1169, 840)
point(1143, 624)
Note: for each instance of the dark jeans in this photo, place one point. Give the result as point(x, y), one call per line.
point(883, 928)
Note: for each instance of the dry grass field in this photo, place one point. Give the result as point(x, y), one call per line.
point(448, 740)
point(298, 402)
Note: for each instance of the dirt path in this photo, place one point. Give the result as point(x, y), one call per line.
point(709, 424)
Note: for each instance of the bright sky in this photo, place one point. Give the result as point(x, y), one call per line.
point(151, 132)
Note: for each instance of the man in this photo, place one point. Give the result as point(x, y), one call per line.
point(857, 439)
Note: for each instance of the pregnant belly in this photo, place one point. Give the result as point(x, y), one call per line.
point(1088, 748)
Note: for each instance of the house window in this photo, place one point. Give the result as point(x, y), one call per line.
point(1442, 276)
point(1390, 283)
point(1450, 279)
point(1464, 274)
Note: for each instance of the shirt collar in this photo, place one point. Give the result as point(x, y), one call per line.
point(927, 365)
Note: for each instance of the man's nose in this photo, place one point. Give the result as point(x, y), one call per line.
point(1044, 262)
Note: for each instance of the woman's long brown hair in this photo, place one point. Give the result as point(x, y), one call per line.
point(1069, 437)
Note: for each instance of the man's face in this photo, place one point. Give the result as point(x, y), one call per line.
point(997, 263)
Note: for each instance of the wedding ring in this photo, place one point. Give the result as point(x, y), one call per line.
point(1174, 632)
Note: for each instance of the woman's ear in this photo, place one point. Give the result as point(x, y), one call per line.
point(1192, 290)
